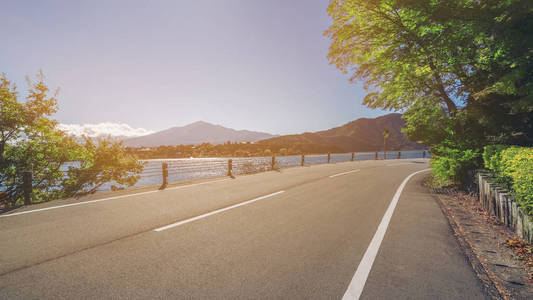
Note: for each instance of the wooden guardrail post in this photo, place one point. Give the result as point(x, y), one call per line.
point(376, 155)
point(230, 167)
point(27, 187)
point(424, 154)
point(399, 154)
point(353, 156)
point(303, 160)
point(273, 165)
point(329, 157)
point(164, 167)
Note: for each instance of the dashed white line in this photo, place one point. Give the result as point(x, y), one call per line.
point(400, 164)
point(355, 289)
point(216, 212)
point(195, 184)
point(344, 173)
point(107, 199)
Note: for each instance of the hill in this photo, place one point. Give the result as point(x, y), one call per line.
point(196, 133)
point(363, 134)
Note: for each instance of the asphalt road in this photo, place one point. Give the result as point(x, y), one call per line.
point(302, 233)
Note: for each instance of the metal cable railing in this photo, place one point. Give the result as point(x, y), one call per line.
point(156, 172)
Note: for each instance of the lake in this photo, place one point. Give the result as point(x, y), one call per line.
point(181, 169)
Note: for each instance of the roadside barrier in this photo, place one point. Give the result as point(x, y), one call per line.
point(176, 169)
point(165, 171)
point(501, 204)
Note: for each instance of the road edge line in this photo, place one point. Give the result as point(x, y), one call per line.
point(357, 284)
point(104, 199)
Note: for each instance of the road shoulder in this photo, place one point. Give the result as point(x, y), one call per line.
point(420, 258)
point(484, 240)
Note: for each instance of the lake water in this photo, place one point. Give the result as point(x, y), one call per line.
point(181, 169)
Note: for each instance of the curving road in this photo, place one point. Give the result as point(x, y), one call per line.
point(347, 230)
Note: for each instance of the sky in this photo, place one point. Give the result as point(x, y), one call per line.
point(152, 65)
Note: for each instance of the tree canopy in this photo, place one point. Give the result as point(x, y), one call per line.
point(30, 141)
point(461, 70)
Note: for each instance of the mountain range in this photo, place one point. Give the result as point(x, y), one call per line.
point(196, 133)
point(364, 134)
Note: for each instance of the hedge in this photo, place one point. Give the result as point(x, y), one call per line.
point(513, 167)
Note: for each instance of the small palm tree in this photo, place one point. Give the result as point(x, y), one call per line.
point(385, 136)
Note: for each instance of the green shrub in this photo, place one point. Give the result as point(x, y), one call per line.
point(492, 157)
point(513, 166)
point(451, 165)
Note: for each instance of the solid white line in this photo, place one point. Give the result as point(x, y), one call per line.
point(106, 199)
point(215, 212)
point(344, 173)
point(363, 270)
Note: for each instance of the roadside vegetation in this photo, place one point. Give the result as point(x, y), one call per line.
point(460, 70)
point(61, 167)
point(229, 149)
point(513, 169)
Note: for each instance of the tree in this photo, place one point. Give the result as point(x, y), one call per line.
point(30, 141)
point(460, 69)
point(99, 163)
point(385, 136)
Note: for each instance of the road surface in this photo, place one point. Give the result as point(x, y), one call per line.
point(364, 229)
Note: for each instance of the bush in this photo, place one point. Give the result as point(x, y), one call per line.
point(492, 157)
point(513, 167)
point(451, 165)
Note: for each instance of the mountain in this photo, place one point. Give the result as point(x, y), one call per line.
point(196, 133)
point(363, 134)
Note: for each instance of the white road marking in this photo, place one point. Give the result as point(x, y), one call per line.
point(400, 164)
point(107, 199)
point(344, 173)
point(216, 212)
point(195, 184)
point(355, 289)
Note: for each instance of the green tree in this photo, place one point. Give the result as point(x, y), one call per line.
point(99, 163)
point(460, 69)
point(30, 141)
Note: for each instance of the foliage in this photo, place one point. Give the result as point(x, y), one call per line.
point(456, 141)
point(513, 166)
point(29, 141)
point(492, 157)
point(451, 164)
point(460, 69)
point(100, 163)
point(244, 149)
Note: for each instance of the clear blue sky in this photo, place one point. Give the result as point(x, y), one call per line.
point(258, 65)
